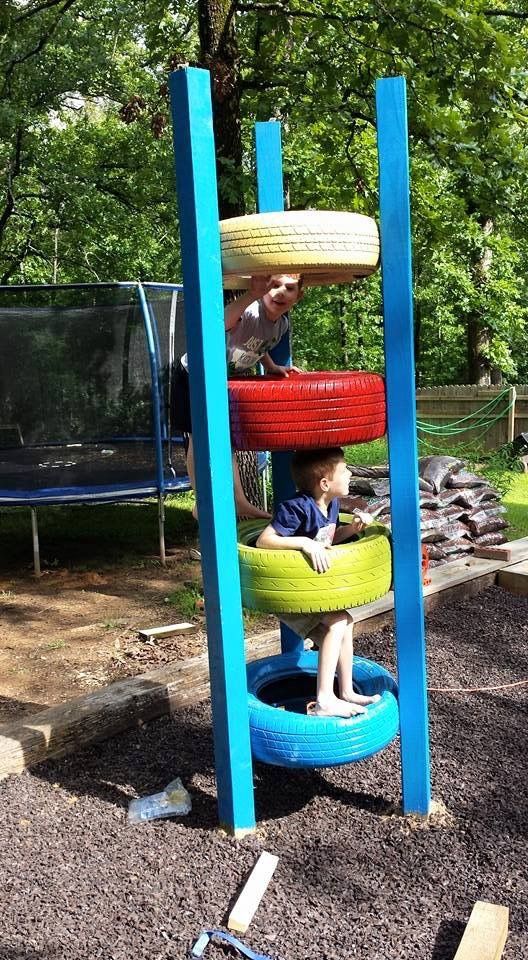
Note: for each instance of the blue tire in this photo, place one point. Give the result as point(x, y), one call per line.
point(292, 739)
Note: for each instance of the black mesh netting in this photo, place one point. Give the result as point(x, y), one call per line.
point(76, 389)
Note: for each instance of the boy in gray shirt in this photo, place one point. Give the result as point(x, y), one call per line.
point(255, 323)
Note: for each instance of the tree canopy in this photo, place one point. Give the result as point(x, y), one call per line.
point(86, 175)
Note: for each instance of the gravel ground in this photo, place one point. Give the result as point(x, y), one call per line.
point(354, 879)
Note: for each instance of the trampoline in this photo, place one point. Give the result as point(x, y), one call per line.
point(85, 378)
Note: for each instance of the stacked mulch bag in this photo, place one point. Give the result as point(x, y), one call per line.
point(458, 509)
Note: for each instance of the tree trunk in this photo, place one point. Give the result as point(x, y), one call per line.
point(219, 54)
point(343, 332)
point(478, 334)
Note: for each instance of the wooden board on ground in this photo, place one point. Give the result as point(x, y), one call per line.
point(67, 727)
point(172, 630)
point(244, 909)
point(486, 932)
point(515, 578)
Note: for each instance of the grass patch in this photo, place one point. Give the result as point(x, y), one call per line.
point(95, 536)
point(187, 600)
point(516, 500)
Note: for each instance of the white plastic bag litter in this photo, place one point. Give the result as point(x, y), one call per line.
point(174, 801)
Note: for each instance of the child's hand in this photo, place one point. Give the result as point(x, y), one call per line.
point(317, 553)
point(277, 370)
point(352, 528)
point(260, 285)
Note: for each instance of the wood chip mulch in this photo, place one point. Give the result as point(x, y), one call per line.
point(354, 880)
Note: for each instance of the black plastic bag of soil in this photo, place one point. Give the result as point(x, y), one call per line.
point(474, 497)
point(462, 545)
point(435, 551)
point(348, 504)
point(447, 497)
point(437, 469)
point(378, 505)
point(483, 523)
point(382, 470)
point(490, 539)
point(361, 485)
point(465, 479)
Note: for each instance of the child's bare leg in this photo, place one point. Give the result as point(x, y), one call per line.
point(244, 508)
point(330, 636)
point(344, 669)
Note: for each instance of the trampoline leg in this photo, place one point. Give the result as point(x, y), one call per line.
point(36, 547)
point(161, 527)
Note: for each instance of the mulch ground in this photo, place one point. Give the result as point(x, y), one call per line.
point(354, 879)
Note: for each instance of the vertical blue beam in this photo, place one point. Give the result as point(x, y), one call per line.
point(396, 262)
point(194, 154)
point(270, 193)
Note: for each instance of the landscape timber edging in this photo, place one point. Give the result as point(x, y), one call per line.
point(65, 727)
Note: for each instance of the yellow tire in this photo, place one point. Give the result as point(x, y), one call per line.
point(325, 246)
point(284, 581)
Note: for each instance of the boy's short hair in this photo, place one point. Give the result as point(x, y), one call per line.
point(308, 467)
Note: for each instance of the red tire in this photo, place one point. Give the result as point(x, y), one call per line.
point(306, 410)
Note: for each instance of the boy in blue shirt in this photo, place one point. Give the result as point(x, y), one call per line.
point(309, 522)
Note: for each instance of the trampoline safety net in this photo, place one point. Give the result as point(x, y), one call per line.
point(76, 392)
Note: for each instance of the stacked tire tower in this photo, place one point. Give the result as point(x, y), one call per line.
point(307, 411)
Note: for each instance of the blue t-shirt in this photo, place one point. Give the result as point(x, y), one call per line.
point(301, 517)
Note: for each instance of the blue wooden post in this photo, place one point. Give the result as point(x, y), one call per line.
point(204, 322)
point(395, 229)
point(270, 192)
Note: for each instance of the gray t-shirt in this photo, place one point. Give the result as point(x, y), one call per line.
point(251, 338)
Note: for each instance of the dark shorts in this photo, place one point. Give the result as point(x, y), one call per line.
point(181, 400)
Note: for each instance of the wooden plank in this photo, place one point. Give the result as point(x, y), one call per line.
point(172, 630)
point(515, 578)
point(257, 883)
point(67, 727)
point(486, 932)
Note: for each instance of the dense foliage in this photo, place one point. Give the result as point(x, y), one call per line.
point(86, 181)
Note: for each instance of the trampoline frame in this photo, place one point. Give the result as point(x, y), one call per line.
point(116, 493)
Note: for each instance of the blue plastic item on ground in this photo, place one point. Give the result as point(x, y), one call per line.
point(206, 935)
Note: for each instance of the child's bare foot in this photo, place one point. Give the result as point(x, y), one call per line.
point(334, 707)
point(350, 696)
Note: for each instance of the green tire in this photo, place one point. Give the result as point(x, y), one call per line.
point(284, 581)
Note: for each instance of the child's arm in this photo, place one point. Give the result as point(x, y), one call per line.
point(274, 368)
point(318, 554)
point(346, 530)
point(234, 310)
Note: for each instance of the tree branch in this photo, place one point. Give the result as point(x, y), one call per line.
point(517, 14)
point(30, 12)
point(40, 45)
point(13, 172)
point(300, 14)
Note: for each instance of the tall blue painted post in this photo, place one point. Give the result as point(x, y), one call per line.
point(396, 264)
point(194, 154)
point(270, 193)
